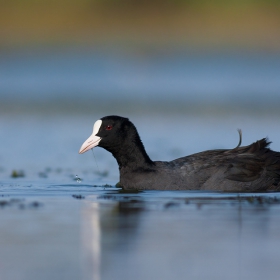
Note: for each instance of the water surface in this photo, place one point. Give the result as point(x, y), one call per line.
point(54, 226)
point(84, 232)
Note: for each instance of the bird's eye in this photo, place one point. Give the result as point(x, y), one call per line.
point(108, 127)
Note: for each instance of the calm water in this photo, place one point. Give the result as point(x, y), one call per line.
point(103, 234)
point(147, 75)
point(58, 228)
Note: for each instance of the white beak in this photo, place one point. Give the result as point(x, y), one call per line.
point(93, 140)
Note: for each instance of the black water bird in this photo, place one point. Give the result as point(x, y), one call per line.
point(249, 168)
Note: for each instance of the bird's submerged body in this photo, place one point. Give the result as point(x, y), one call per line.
point(242, 169)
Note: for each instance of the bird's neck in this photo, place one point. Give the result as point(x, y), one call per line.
point(131, 154)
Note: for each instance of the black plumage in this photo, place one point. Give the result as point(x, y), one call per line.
point(249, 168)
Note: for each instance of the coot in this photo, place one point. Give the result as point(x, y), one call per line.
point(248, 168)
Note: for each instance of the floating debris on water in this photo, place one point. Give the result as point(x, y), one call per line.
point(78, 196)
point(20, 203)
point(17, 174)
point(35, 204)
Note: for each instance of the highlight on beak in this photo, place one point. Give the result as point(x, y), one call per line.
point(93, 140)
point(90, 143)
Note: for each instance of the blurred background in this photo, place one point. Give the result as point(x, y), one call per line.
point(198, 69)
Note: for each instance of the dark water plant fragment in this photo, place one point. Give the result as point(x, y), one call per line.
point(17, 174)
point(78, 196)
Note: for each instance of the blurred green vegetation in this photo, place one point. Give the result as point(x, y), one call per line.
point(192, 22)
point(134, 4)
point(138, 2)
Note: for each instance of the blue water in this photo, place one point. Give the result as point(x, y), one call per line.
point(182, 102)
point(105, 234)
point(146, 75)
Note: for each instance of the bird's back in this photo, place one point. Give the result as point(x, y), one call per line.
point(249, 168)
